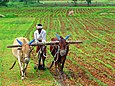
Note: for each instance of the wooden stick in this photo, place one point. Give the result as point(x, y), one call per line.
point(74, 42)
point(36, 44)
point(45, 43)
point(13, 46)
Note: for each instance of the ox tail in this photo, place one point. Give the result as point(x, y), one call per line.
point(12, 65)
point(51, 65)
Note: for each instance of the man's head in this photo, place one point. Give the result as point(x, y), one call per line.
point(39, 26)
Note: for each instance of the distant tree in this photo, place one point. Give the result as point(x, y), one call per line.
point(3, 2)
point(38, 1)
point(88, 2)
point(24, 1)
point(75, 2)
point(21, 0)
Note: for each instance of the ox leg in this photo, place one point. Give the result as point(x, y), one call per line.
point(57, 63)
point(20, 64)
point(43, 60)
point(43, 56)
point(56, 68)
point(24, 70)
point(62, 66)
point(60, 72)
point(39, 61)
point(26, 64)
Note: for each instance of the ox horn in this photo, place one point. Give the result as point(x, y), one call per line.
point(31, 42)
point(67, 37)
point(19, 42)
point(58, 36)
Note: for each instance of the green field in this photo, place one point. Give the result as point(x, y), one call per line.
point(87, 64)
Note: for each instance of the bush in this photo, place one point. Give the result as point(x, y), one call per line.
point(15, 4)
point(2, 3)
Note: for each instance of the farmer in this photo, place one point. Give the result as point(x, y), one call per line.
point(40, 36)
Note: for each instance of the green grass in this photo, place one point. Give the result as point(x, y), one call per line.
point(21, 27)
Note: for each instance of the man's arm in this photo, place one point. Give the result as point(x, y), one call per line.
point(35, 37)
point(44, 37)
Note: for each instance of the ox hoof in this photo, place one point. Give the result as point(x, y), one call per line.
point(36, 67)
point(22, 78)
point(43, 68)
point(40, 67)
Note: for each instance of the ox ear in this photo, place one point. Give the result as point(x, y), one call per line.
point(67, 37)
point(19, 42)
point(31, 42)
point(58, 36)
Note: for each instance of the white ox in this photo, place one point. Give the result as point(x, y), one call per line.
point(22, 54)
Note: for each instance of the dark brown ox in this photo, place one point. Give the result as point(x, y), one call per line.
point(59, 52)
point(22, 54)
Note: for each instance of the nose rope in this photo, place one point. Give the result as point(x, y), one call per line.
point(57, 53)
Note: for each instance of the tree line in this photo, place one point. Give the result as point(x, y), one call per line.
point(88, 2)
point(3, 2)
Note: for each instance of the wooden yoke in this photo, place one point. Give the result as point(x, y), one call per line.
point(55, 43)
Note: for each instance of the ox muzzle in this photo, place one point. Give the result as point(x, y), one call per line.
point(63, 52)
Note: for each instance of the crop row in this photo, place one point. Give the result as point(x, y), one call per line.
point(55, 12)
point(63, 25)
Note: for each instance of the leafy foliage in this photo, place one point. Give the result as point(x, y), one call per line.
point(88, 2)
point(3, 2)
